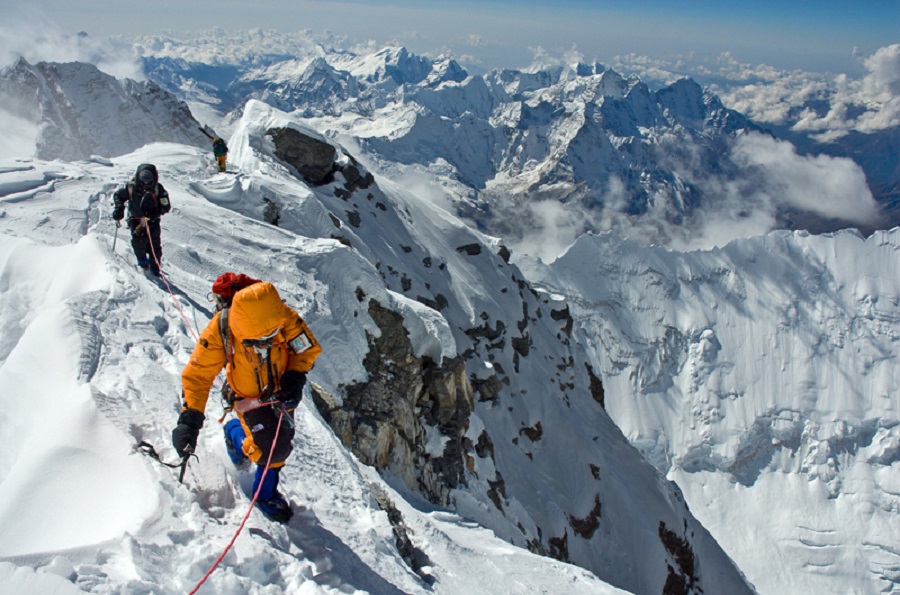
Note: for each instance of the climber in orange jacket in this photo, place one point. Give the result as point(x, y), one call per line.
point(266, 349)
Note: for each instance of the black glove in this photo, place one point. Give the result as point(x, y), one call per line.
point(118, 213)
point(184, 436)
point(291, 391)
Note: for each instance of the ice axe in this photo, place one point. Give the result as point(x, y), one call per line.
point(188, 451)
point(147, 449)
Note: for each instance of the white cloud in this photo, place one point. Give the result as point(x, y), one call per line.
point(828, 186)
point(826, 106)
point(770, 179)
point(882, 83)
point(475, 40)
point(29, 34)
point(556, 226)
point(19, 137)
point(822, 105)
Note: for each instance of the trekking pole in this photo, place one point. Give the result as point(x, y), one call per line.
point(116, 236)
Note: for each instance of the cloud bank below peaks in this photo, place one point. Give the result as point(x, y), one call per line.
point(826, 106)
point(31, 35)
point(769, 181)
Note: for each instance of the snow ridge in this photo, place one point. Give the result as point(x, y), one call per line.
point(120, 341)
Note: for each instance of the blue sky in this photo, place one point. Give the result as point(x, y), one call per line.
point(815, 35)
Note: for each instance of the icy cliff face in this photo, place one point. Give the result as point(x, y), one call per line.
point(82, 111)
point(762, 378)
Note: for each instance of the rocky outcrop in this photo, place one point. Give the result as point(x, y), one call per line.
point(316, 160)
point(410, 417)
point(416, 558)
point(681, 579)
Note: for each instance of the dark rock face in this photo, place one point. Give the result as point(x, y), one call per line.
point(585, 527)
point(393, 420)
point(416, 558)
point(683, 579)
point(470, 249)
point(597, 390)
point(314, 160)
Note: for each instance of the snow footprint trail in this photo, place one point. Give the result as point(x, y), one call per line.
point(129, 343)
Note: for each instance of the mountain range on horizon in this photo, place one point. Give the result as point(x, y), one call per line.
point(524, 154)
point(700, 389)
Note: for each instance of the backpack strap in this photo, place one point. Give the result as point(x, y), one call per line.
point(130, 187)
point(226, 334)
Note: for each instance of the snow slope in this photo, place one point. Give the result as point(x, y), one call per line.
point(762, 377)
point(91, 356)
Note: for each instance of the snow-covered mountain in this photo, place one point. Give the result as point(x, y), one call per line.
point(65, 100)
point(762, 378)
point(442, 369)
point(523, 150)
point(465, 387)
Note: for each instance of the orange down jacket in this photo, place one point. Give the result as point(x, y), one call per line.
point(256, 311)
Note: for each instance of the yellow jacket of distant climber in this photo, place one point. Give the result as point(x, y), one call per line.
point(256, 312)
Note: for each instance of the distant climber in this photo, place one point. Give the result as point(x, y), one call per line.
point(147, 201)
point(271, 212)
point(266, 349)
point(220, 150)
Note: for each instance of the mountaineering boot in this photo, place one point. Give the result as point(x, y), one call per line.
point(234, 439)
point(276, 508)
point(143, 262)
point(270, 501)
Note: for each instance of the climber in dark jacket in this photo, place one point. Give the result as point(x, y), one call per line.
point(147, 201)
point(220, 150)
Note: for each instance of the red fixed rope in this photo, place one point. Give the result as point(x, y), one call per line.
point(166, 281)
